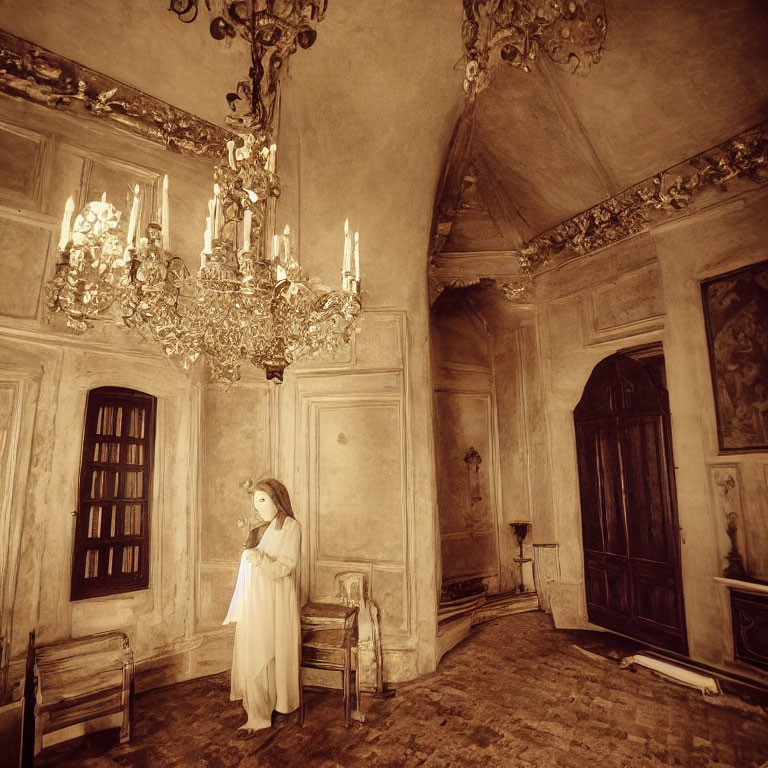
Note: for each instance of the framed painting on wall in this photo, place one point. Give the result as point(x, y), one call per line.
point(736, 314)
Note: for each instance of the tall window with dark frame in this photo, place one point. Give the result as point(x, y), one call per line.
point(112, 531)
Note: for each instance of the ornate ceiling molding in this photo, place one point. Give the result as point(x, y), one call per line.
point(630, 212)
point(32, 73)
point(570, 32)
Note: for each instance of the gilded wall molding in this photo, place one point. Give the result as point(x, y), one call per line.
point(633, 210)
point(35, 74)
point(571, 32)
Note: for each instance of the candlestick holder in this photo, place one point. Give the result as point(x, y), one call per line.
point(520, 531)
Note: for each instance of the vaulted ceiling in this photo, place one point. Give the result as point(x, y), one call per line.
point(674, 79)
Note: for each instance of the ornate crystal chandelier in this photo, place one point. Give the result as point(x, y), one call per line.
point(250, 300)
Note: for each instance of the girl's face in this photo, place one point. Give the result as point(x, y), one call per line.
point(264, 506)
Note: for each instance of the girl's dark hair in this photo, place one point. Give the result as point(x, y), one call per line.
point(279, 494)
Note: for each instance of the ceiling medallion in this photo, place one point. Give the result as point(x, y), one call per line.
point(250, 300)
point(570, 32)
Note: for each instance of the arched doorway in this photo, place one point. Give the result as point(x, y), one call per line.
point(628, 506)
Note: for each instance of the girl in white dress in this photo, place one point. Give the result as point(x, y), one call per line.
point(265, 659)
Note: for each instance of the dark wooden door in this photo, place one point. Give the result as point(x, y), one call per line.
point(628, 510)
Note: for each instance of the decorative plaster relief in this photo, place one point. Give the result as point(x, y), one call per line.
point(729, 518)
point(515, 32)
point(30, 72)
point(633, 210)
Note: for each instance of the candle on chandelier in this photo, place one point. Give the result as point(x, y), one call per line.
point(346, 264)
point(247, 216)
point(276, 248)
point(133, 221)
point(271, 159)
point(206, 242)
point(216, 210)
point(281, 272)
point(165, 220)
point(286, 244)
point(231, 154)
point(211, 215)
point(357, 256)
point(69, 209)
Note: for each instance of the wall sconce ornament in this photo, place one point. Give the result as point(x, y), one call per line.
point(250, 300)
point(521, 530)
point(474, 517)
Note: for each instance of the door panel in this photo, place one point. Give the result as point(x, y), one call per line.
point(629, 519)
point(647, 509)
point(610, 482)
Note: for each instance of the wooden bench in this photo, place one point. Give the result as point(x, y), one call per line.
point(79, 680)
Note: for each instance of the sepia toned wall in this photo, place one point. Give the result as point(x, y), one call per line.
point(643, 290)
point(364, 136)
point(46, 372)
point(465, 421)
point(351, 437)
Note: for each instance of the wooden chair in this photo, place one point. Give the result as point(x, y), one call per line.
point(79, 680)
point(329, 642)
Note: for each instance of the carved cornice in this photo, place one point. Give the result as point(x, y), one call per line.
point(570, 32)
point(631, 211)
point(628, 213)
point(30, 72)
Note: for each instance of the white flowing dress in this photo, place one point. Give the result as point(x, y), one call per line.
point(265, 659)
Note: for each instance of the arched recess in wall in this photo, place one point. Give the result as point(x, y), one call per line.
point(628, 507)
point(465, 438)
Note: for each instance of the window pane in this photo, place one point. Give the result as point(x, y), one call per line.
point(134, 485)
point(91, 563)
point(94, 523)
point(132, 520)
point(111, 559)
point(136, 422)
point(107, 452)
point(135, 453)
point(131, 559)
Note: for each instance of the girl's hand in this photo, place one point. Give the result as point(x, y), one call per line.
point(253, 556)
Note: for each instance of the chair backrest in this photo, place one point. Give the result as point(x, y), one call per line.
point(80, 666)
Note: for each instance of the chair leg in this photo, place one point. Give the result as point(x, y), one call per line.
point(38, 735)
point(347, 687)
point(126, 730)
point(357, 679)
point(301, 698)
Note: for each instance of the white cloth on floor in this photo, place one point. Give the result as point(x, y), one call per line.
point(265, 659)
